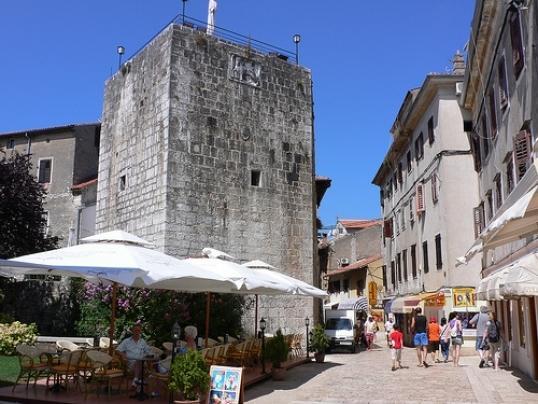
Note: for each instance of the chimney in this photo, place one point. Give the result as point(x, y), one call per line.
point(458, 63)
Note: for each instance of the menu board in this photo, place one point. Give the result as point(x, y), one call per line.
point(225, 385)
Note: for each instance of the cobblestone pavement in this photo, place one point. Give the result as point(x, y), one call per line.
point(366, 377)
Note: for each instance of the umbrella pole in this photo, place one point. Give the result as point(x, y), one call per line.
point(112, 319)
point(256, 317)
point(207, 313)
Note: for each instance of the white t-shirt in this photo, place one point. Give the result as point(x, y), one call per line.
point(134, 349)
point(388, 326)
point(371, 327)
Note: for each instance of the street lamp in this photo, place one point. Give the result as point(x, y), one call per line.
point(296, 40)
point(263, 324)
point(307, 324)
point(184, 1)
point(121, 50)
point(176, 334)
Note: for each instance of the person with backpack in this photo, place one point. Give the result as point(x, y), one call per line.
point(480, 320)
point(493, 337)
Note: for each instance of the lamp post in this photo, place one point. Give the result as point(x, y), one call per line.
point(183, 13)
point(307, 324)
point(296, 40)
point(121, 50)
point(263, 324)
point(176, 334)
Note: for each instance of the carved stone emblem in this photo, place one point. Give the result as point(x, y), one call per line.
point(244, 70)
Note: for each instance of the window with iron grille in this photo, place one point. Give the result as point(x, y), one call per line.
point(516, 40)
point(438, 252)
point(425, 263)
point(498, 192)
point(419, 147)
point(414, 261)
point(431, 135)
point(45, 171)
point(404, 264)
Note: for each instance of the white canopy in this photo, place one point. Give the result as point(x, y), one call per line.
point(522, 277)
point(489, 288)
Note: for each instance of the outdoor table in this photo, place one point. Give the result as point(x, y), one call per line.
point(141, 395)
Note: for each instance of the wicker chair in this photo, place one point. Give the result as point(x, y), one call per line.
point(32, 363)
point(66, 345)
point(102, 370)
point(68, 368)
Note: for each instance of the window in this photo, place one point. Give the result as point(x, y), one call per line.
point(382, 197)
point(489, 205)
point(522, 153)
point(45, 171)
point(435, 195)
point(431, 136)
point(478, 217)
point(475, 148)
point(123, 183)
point(420, 198)
point(409, 162)
point(402, 219)
point(392, 274)
point(438, 252)
point(397, 221)
point(400, 172)
point(425, 257)
point(521, 318)
point(404, 263)
point(485, 139)
point(498, 192)
point(387, 229)
point(411, 209)
point(516, 40)
point(503, 84)
point(399, 266)
point(255, 178)
point(334, 286)
point(395, 182)
point(385, 276)
point(419, 147)
point(414, 261)
point(492, 113)
point(509, 174)
point(10, 144)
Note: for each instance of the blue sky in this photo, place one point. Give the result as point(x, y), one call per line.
point(364, 56)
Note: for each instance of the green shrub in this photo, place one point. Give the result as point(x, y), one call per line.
point(14, 334)
point(189, 374)
point(276, 349)
point(319, 342)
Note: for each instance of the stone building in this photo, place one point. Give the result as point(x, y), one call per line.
point(427, 215)
point(65, 160)
point(499, 98)
point(206, 143)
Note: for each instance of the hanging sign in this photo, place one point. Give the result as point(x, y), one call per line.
point(463, 297)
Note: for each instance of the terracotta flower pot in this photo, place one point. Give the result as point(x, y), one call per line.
point(278, 373)
point(319, 357)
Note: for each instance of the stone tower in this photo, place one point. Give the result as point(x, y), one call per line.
point(206, 143)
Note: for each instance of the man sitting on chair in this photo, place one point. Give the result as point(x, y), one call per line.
point(133, 349)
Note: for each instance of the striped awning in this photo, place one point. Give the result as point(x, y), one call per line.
point(358, 303)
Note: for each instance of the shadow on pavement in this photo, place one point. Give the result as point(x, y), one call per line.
point(294, 378)
point(525, 382)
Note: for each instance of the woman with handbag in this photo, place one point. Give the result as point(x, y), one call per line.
point(445, 339)
point(456, 337)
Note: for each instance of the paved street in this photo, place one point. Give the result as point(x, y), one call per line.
point(367, 378)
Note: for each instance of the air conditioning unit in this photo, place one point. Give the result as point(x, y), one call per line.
point(344, 261)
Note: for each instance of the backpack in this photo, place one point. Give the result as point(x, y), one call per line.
point(493, 332)
point(454, 329)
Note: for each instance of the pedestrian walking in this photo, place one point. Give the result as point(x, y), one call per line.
point(370, 328)
point(444, 339)
point(419, 325)
point(389, 324)
point(479, 321)
point(434, 335)
point(493, 337)
point(456, 336)
point(396, 342)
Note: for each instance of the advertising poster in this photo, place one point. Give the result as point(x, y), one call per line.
point(225, 385)
point(464, 297)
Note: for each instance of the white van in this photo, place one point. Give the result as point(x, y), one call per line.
point(339, 327)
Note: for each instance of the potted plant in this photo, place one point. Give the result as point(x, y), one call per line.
point(319, 342)
point(189, 374)
point(276, 351)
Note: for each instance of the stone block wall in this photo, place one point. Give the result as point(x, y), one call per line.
point(220, 155)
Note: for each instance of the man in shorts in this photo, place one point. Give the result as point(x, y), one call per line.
point(419, 325)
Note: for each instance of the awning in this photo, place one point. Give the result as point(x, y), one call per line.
point(359, 303)
point(517, 218)
point(405, 304)
point(490, 287)
point(522, 277)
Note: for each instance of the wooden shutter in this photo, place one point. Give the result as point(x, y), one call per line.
point(420, 198)
point(387, 228)
point(478, 225)
point(522, 152)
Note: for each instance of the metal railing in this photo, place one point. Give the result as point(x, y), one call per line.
point(225, 35)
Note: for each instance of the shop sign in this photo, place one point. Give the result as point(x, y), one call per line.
point(372, 292)
point(464, 297)
point(437, 300)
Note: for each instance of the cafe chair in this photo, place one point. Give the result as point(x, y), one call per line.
point(67, 369)
point(66, 345)
point(32, 364)
point(102, 370)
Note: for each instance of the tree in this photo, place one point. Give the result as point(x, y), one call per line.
point(22, 217)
